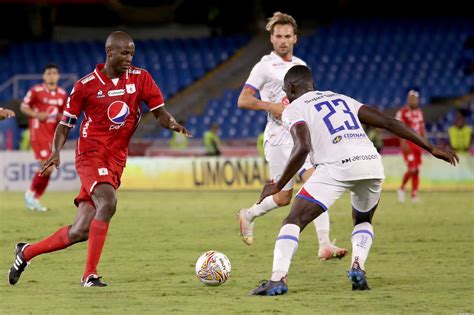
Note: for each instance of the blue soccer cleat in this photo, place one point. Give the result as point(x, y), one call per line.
point(357, 277)
point(271, 288)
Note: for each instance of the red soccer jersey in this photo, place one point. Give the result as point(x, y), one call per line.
point(111, 111)
point(413, 118)
point(40, 99)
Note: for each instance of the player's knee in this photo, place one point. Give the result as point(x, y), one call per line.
point(78, 233)
point(283, 199)
point(107, 209)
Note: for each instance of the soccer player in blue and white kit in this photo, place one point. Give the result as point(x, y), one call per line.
point(267, 79)
point(327, 126)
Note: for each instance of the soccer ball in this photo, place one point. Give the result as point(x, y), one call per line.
point(213, 268)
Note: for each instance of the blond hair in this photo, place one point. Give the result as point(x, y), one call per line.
point(280, 18)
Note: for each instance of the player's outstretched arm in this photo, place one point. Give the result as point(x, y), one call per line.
point(247, 100)
point(6, 113)
point(60, 137)
point(301, 148)
point(372, 117)
point(168, 121)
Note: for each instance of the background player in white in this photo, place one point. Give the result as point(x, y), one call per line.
point(327, 126)
point(267, 79)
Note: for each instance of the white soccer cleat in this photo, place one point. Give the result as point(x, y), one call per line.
point(246, 227)
point(30, 200)
point(39, 207)
point(332, 251)
point(401, 195)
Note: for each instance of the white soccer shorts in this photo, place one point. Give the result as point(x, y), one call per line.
point(324, 190)
point(277, 156)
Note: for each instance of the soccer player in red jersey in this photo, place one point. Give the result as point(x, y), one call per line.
point(412, 116)
point(110, 98)
point(44, 104)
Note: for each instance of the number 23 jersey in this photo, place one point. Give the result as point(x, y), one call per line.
point(338, 140)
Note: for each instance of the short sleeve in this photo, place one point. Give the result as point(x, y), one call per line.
point(292, 116)
point(151, 93)
point(257, 77)
point(74, 106)
point(28, 99)
point(399, 115)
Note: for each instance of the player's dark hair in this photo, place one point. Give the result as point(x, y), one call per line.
point(298, 73)
point(51, 66)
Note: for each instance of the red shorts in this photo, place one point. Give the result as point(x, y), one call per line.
point(42, 150)
point(92, 170)
point(413, 157)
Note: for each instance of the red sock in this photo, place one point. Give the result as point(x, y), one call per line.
point(35, 183)
point(57, 241)
point(414, 184)
point(97, 234)
point(406, 177)
point(41, 186)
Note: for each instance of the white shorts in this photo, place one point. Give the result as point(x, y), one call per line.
point(277, 157)
point(324, 190)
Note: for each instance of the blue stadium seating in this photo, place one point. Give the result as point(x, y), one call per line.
point(374, 61)
point(173, 63)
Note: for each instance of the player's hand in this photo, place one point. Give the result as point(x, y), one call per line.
point(41, 116)
point(269, 189)
point(6, 113)
point(53, 160)
point(445, 154)
point(178, 128)
point(276, 109)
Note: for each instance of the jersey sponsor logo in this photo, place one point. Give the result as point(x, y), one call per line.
point(359, 135)
point(86, 126)
point(130, 88)
point(363, 157)
point(118, 112)
point(87, 79)
point(116, 92)
point(135, 71)
point(100, 94)
point(336, 139)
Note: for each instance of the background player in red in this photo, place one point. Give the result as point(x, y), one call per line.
point(44, 104)
point(110, 98)
point(412, 116)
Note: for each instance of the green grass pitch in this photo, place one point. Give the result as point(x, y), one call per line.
point(421, 261)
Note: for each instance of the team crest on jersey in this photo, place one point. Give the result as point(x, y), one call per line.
point(130, 88)
point(118, 111)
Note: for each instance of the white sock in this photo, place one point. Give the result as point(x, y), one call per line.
point(265, 206)
point(285, 247)
point(362, 237)
point(321, 223)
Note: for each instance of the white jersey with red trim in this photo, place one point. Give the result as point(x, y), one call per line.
point(267, 79)
point(337, 137)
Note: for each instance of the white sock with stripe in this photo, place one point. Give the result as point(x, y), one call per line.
point(362, 237)
point(285, 247)
point(265, 206)
point(321, 223)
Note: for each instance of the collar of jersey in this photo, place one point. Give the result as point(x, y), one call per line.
point(102, 78)
point(275, 55)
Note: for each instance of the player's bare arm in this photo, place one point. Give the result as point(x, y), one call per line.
point(60, 137)
point(6, 113)
point(373, 117)
point(301, 149)
point(168, 121)
point(247, 100)
point(41, 116)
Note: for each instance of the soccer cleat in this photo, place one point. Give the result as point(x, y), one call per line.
point(415, 199)
point(332, 251)
point(93, 281)
point(19, 264)
point(401, 195)
point(246, 227)
point(39, 207)
point(271, 288)
point(357, 276)
point(30, 200)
